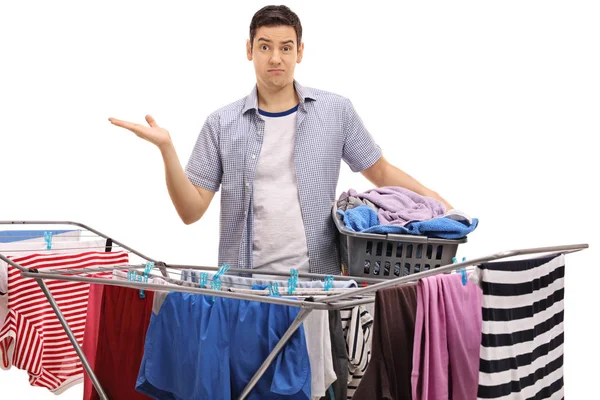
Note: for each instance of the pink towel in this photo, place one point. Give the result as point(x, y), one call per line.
point(447, 339)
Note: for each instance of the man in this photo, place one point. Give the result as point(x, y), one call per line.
point(276, 156)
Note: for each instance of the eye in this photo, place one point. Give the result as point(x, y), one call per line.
point(287, 48)
point(264, 47)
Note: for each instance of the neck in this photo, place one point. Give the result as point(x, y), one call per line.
point(277, 99)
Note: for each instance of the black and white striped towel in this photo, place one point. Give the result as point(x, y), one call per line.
point(522, 338)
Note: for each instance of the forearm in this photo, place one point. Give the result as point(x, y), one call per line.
point(188, 200)
point(393, 176)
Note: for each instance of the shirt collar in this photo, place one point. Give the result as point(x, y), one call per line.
point(304, 94)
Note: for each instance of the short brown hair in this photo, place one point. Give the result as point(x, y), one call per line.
point(275, 16)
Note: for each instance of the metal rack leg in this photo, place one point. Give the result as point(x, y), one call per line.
point(69, 333)
point(282, 342)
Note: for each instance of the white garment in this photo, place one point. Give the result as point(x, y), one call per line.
point(279, 241)
point(30, 246)
point(318, 345)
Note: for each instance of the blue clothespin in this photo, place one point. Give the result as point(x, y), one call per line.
point(220, 272)
point(216, 280)
point(203, 279)
point(274, 289)
point(48, 240)
point(147, 269)
point(131, 276)
point(328, 282)
point(215, 283)
point(293, 281)
point(462, 271)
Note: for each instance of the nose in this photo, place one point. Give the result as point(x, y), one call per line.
point(275, 59)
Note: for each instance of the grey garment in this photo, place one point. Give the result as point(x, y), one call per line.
point(246, 283)
point(347, 202)
point(226, 154)
point(159, 299)
point(339, 357)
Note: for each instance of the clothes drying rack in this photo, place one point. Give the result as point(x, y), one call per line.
point(349, 298)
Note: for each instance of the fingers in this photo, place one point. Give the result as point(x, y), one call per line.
point(123, 124)
point(151, 121)
point(138, 129)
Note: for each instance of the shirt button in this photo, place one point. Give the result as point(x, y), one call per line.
point(253, 156)
point(247, 184)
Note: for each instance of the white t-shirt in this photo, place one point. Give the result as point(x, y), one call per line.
point(279, 236)
point(318, 345)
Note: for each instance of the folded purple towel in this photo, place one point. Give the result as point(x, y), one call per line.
point(399, 206)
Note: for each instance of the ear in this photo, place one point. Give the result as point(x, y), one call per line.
point(300, 52)
point(248, 50)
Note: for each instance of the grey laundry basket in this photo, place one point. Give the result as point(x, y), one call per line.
point(389, 256)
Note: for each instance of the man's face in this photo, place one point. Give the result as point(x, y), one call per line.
point(275, 53)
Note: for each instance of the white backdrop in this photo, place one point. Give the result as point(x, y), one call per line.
point(492, 104)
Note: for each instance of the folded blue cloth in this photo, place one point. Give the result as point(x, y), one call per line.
point(17, 236)
point(364, 219)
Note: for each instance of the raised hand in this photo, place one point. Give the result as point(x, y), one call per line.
point(152, 133)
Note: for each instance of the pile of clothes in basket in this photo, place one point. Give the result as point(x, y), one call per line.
point(398, 210)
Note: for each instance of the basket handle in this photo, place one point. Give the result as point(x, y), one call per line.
point(406, 238)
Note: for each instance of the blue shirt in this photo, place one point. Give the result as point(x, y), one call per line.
point(328, 130)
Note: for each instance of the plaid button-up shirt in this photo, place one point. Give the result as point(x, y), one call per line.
point(226, 153)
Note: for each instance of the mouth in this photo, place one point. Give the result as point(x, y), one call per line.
point(275, 71)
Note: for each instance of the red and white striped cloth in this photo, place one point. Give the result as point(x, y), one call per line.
point(32, 338)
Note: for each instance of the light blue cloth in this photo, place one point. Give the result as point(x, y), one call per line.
point(16, 236)
point(363, 219)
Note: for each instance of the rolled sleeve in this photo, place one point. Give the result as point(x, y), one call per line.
point(204, 167)
point(360, 150)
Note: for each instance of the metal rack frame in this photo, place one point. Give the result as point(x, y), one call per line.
point(352, 298)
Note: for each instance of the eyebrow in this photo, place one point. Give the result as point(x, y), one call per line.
point(270, 41)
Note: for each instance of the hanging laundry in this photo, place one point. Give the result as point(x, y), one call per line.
point(357, 324)
point(115, 326)
point(246, 283)
point(363, 219)
point(522, 331)
point(32, 338)
point(445, 362)
point(124, 319)
point(338, 389)
point(11, 236)
point(399, 206)
point(318, 338)
point(318, 346)
point(29, 241)
point(91, 334)
point(389, 370)
point(210, 347)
